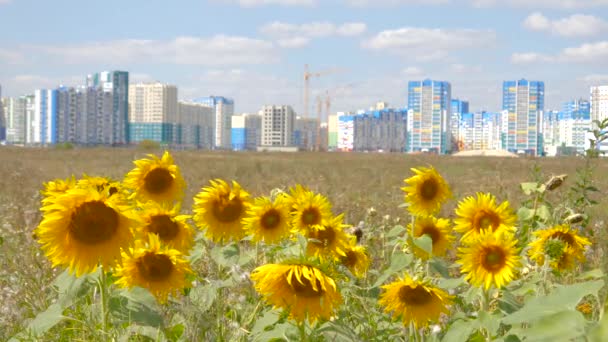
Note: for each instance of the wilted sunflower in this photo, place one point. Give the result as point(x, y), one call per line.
point(490, 257)
point(561, 244)
point(415, 301)
point(55, 188)
point(173, 229)
point(84, 228)
point(477, 214)
point(310, 209)
point(159, 269)
point(356, 260)
point(328, 240)
point(268, 221)
point(426, 191)
point(219, 210)
point(437, 229)
point(306, 292)
point(157, 179)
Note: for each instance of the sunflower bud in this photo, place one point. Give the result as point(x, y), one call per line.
point(371, 212)
point(574, 218)
point(555, 182)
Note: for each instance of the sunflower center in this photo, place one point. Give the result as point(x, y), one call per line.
point(493, 259)
point(311, 216)
point(271, 219)
point(432, 232)
point(485, 219)
point(350, 259)
point(567, 238)
point(304, 288)
point(164, 227)
point(415, 296)
point(113, 190)
point(158, 181)
point(154, 267)
point(93, 222)
point(226, 210)
point(429, 189)
point(324, 237)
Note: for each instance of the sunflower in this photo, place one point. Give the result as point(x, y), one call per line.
point(415, 301)
point(561, 244)
point(490, 257)
point(426, 191)
point(328, 239)
point(477, 214)
point(172, 229)
point(102, 184)
point(220, 209)
point(268, 221)
point(296, 192)
point(310, 209)
point(55, 188)
point(437, 229)
point(157, 179)
point(356, 260)
point(306, 292)
point(161, 270)
point(83, 228)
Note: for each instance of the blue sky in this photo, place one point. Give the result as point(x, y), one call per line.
point(255, 50)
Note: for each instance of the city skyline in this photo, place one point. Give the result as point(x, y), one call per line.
point(254, 51)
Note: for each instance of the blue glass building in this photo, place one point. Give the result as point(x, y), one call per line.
point(523, 104)
point(428, 121)
point(223, 112)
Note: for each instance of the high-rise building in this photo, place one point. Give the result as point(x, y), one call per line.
point(246, 132)
point(153, 112)
point(66, 114)
point(42, 124)
point(278, 124)
point(599, 102)
point(523, 104)
point(116, 83)
point(429, 115)
point(480, 131)
point(195, 125)
point(2, 118)
point(332, 132)
point(346, 131)
point(380, 130)
point(573, 122)
point(459, 107)
point(305, 133)
point(16, 115)
point(224, 109)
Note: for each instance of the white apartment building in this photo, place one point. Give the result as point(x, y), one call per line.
point(196, 125)
point(278, 123)
point(599, 102)
point(153, 112)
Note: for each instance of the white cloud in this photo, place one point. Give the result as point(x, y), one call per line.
point(594, 78)
point(140, 78)
point(574, 25)
point(590, 53)
point(413, 71)
point(26, 83)
point(296, 36)
point(465, 69)
point(4, 2)
point(366, 3)
point(257, 3)
point(10, 56)
point(216, 50)
point(429, 44)
point(549, 4)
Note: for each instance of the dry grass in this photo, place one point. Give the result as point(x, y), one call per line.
point(353, 182)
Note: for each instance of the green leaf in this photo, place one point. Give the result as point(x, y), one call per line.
point(459, 331)
point(396, 231)
point(71, 287)
point(525, 214)
point(226, 255)
point(425, 243)
point(440, 266)
point(489, 322)
point(151, 333)
point(269, 318)
point(204, 296)
point(280, 332)
point(334, 332)
point(560, 326)
point(529, 188)
point(561, 299)
point(451, 283)
point(175, 332)
point(136, 306)
point(47, 319)
point(543, 213)
point(399, 261)
point(593, 274)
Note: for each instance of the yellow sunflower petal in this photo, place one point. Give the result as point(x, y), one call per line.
point(426, 191)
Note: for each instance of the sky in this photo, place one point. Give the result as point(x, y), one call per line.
point(364, 51)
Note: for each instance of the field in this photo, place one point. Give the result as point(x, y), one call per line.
point(353, 182)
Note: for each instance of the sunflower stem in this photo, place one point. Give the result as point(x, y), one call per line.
point(485, 307)
point(102, 294)
point(220, 307)
point(302, 328)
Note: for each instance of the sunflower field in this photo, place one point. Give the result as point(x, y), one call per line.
point(134, 258)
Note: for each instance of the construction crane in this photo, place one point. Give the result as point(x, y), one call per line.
point(307, 76)
point(328, 94)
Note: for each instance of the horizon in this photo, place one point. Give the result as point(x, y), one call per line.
point(254, 51)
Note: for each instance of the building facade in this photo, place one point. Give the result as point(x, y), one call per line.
point(41, 126)
point(246, 132)
point(153, 113)
point(305, 134)
point(458, 108)
point(195, 125)
point(2, 118)
point(523, 105)
point(346, 132)
point(278, 123)
point(115, 129)
point(223, 110)
point(599, 102)
point(429, 104)
point(380, 130)
point(574, 121)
